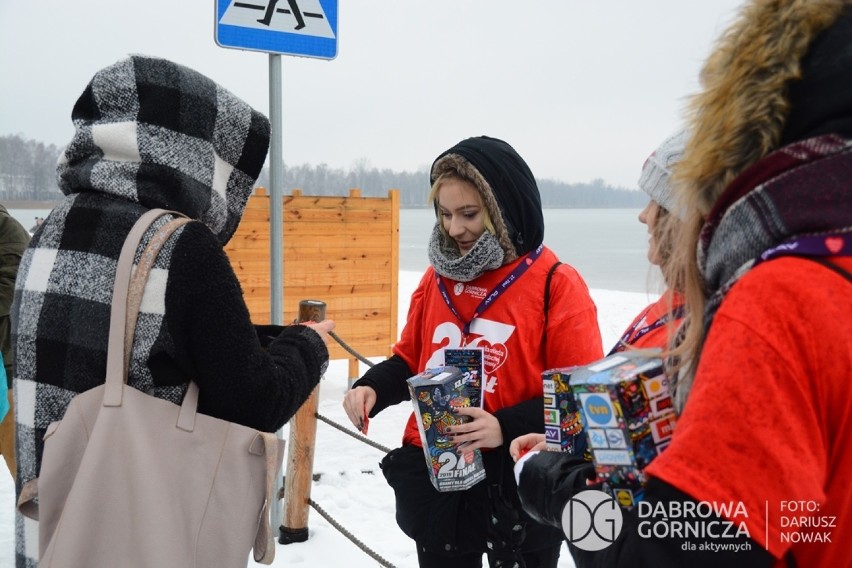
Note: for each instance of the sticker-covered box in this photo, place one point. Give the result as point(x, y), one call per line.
point(434, 393)
point(468, 360)
point(628, 416)
point(563, 426)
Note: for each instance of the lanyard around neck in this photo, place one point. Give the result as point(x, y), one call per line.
point(838, 244)
point(632, 335)
point(495, 293)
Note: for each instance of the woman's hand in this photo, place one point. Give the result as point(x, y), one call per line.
point(483, 431)
point(358, 403)
point(526, 443)
point(321, 327)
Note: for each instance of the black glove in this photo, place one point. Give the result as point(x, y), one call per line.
point(548, 480)
point(266, 334)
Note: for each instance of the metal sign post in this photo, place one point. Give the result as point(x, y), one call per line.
point(306, 28)
point(276, 206)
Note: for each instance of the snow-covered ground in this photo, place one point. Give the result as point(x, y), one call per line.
point(351, 487)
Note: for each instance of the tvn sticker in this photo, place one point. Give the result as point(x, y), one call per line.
point(598, 410)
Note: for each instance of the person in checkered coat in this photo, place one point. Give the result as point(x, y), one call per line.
point(150, 133)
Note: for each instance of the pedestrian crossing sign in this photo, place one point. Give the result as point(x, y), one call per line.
point(291, 27)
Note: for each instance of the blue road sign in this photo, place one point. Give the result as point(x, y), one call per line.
point(292, 27)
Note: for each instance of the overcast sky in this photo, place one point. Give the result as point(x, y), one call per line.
point(583, 89)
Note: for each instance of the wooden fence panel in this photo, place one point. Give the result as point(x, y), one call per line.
point(343, 251)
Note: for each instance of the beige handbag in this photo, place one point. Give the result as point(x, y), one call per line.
point(131, 480)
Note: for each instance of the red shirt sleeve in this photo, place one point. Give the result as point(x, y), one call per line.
point(769, 416)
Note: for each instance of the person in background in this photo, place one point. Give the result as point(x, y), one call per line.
point(13, 240)
point(765, 359)
point(151, 133)
point(489, 232)
point(653, 326)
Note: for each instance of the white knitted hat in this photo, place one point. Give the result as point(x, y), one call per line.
point(658, 169)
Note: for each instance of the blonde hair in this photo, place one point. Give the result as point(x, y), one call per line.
point(667, 229)
point(433, 200)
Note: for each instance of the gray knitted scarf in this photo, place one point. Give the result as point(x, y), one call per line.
point(447, 261)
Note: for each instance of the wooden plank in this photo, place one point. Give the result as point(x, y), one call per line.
point(258, 263)
point(337, 292)
point(251, 257)
point(316, 241)
point(339, 215)
point(393, 197)
point(320, 282)
point(326, 202)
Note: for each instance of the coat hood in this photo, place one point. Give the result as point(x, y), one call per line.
point(157, 133)
point(507, 186)
point(767, 83)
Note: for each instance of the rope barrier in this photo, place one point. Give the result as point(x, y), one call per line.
point(360, 438)
point(352, 433)
point(349, 535)
point(350, 350)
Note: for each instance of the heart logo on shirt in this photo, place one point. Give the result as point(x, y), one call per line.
point(834, 244)
point(494, 355)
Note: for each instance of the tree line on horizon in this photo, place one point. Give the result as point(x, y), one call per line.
point(28, 173)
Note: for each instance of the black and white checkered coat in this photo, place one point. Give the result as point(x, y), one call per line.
point(150, 133)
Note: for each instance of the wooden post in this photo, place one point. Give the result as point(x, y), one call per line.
point(300, 458)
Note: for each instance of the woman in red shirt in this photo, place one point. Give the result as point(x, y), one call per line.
point(759, 465)
point(487, 287)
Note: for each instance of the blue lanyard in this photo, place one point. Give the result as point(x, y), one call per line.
point(492, 296)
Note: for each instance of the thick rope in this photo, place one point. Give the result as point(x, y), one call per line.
point(352, 433)
point(349, 535)
point(351, 351)
point(361, 438)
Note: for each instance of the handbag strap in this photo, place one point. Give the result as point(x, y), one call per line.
point(127, 297)
point(272, 447)
point(140, 277)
